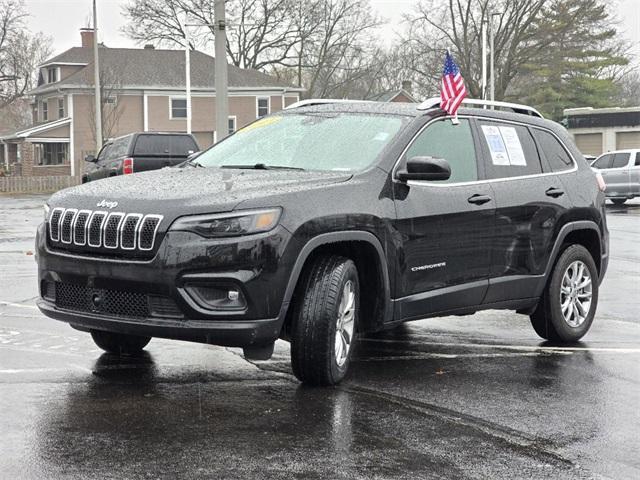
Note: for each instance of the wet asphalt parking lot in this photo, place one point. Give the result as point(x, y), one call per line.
point(458, 397)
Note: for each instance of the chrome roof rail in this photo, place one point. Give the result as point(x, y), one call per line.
point(514, 107)
point(322, 101)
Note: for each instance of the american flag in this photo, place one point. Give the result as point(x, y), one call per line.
point(453, 90)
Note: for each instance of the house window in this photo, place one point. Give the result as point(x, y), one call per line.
point(111, 100)
point(45, 111)
point(232, 125)
point(61, 108)
point(51, 153)
point(178, 108)
point(53, 75)
point(263, 106)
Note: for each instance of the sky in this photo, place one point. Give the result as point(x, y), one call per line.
point(62, 19)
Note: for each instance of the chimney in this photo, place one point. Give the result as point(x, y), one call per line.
point(406, 86)
point(149, 46)
point(87, 37)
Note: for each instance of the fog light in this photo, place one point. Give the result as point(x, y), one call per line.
point(217, 297)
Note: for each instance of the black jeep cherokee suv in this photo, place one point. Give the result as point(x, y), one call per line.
point(322, 221)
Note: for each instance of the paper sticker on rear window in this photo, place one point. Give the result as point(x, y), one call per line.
point(499, 155)
point(514, 147)
point(504, 145)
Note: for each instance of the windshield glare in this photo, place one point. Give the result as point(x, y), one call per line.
point(312, 141)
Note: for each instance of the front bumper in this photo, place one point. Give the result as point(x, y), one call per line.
point(258, 266)
point(233, 333)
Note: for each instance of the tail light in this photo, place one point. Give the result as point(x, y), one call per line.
point(601, 185)
point(127, 166)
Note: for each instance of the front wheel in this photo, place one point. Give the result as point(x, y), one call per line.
point(119, 343)
point(569, 302)
point(324, 321)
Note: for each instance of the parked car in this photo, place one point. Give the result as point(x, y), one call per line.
point(139, 152)
point(320, 222)
point(621, 173)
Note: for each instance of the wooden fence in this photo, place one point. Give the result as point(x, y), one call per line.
point(16, 184)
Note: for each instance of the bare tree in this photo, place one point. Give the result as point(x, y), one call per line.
point(20, 52)
point(260, 33)
point(111, 107)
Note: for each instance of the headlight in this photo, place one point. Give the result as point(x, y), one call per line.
point(229, 224)
point(46, 212)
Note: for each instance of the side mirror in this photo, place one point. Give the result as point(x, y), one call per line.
point(90, 158)
point(425, 168)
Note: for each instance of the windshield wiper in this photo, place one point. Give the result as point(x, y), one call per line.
point(192, 163)
point(262, 166)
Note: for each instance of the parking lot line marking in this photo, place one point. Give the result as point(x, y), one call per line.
point(508, 347)
point(19, 305)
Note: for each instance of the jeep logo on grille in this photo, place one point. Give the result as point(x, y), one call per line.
point(106, 204)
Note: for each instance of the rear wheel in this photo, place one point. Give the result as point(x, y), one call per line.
point(569, 302)
point(618, 201)
point(325, 320)
point(119, 343)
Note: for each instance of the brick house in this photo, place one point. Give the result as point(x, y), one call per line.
point(143, 90)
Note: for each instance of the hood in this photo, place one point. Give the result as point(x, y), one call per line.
point(179, 191)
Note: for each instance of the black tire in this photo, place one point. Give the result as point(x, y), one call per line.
point(618, 201)
point(316, 311)
point(119, 343)
point(548, 320)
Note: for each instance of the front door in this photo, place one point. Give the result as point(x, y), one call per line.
point(444, 228)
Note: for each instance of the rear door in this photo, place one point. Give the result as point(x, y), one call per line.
point(444, 228)
point(529, 202)
point(153, 151)
point(634, 174)
point(616, 177)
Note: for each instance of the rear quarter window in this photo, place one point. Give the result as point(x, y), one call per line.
point(556, 155)
point(164, 145)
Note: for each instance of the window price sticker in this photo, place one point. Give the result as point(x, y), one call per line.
point(504, 145)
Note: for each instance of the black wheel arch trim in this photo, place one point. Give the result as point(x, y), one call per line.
point(562, 235)
point(342, 236)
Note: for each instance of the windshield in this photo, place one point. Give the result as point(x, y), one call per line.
point(310, 141)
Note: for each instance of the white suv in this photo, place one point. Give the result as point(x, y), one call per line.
point(621, 172)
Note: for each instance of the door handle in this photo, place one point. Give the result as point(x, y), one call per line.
point(554, 192)
point(478, 199)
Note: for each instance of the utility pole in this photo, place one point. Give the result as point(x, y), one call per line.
point(492, 32)
point(187, 73)
point(221, 79)
point(483, 87)
point(96, 78)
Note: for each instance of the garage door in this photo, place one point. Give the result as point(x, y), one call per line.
point(589, 143)
point(627, 140)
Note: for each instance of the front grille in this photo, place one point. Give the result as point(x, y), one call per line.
point(109, 233)
point(119, 303)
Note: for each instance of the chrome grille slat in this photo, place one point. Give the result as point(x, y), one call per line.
point(100, 229)
point(54, 224)
point(79, 227)
point(111, 229)
point(66, 224)
point(129, 231)
point(96, 223)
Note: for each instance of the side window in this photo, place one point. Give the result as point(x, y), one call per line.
point(454, 143)
point(119, 148)
point(603, 162)
point(620, 160)
point(558, 159)
point(104, 152)
point(509, 150)
point(637, 164)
